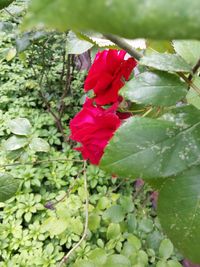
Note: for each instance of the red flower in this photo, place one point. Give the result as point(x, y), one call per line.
point(107, 75)
point(93, 127)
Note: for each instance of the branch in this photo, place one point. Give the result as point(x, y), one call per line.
point(56, 118)
point(189, 82)
point(194, 70)
point(124, 45)
point(65, 258)
point(67, 86)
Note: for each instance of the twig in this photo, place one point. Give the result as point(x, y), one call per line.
point(190, 83)
point(56, 118)
point(12, 15)
point(67, 86)
point(38, 162)
point(147, 112)
point(194, 70)
point(71, 187)
point(65, 258)
point(124, 45)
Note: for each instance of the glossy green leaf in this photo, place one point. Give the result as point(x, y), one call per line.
point(179, 212)
point(152, 148)
point(75, 45)
point(188, 50)
point(39, 145)
point(131, 18)
point(155, 88)
point(20, 126)
point(15, 142)
point(166, 249)
point(8, 186)
point(166, 62)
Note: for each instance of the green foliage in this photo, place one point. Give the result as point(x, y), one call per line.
point(41, 91)
point(5, 3)
point(75, 45)
point(155, 88)
point(166, 62)
point(8, 186)
point(183, 48)
point(163, 147)
point(109, 16)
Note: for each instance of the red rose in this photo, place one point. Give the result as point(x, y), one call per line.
point(107, 75)
point(93, 127)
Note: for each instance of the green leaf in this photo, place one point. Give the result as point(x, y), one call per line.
point(131, 223)
point(103, 203)
point(166, 249)
point(155, 88)
point(176, 20)
point(160, 46)
point(152, 148)
point(11, 54)
point(5, 3)
point(113, 231)
point(188, 50)
point(39, 145)
point(134, 241)
point(153, 240)
point(117, 261)
point(127, 204)
point(98, 256)
point(94, 222)
point(8, 186)
point(24, 41)
point(142, 258)
point(162, 263)
point(76, 225)
point(115, 214)
point(179, 212)
point(15, 142)
point(173, 263)
point(54, 225)
point(166, 62)
point(146, 225)
point(20, 126)
point(75, 45)
point(193, 97)
point(84, 263)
